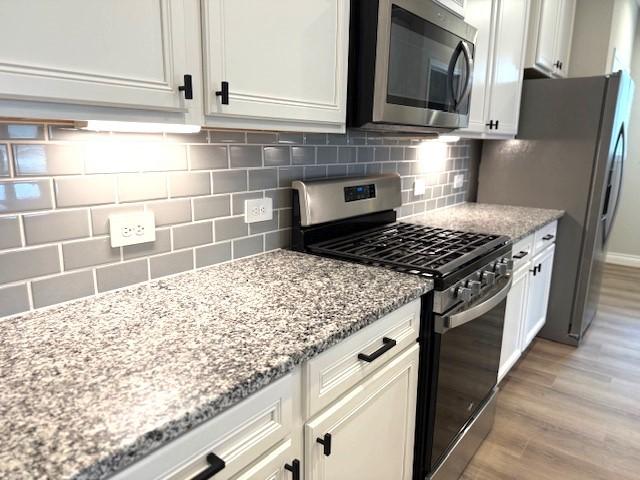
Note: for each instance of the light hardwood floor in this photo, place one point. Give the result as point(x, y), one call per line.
point(566, 413)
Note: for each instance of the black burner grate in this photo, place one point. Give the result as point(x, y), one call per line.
point(411, 247)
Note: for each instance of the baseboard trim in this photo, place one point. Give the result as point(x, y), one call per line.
point(623, 259)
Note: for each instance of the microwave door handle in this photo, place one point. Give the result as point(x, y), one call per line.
point(466, 91)
point(478, 310)
point(451, 72)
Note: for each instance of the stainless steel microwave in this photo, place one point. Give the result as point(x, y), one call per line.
point(410, 66)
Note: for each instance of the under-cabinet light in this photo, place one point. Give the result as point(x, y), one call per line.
point(136, 127)
point(448, 138)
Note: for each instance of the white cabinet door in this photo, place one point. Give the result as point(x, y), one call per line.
point(371, 428)
point(563, 38)
point(113, 54)
point(278, 464)
point(506, 80)
point(538, 295)
point(480, 14)
point(285, 63)
point(546, 50)
point(515, 313)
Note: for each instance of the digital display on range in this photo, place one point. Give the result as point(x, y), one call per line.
point(359, 192)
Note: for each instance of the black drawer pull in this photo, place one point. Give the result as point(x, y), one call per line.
point(216, 464)
point(520, 255)
point(187, 88)
point(539, 268)
point(546, 238)
point(294, 468)
point(388, 344)
point(224, 93)
point(325, 441)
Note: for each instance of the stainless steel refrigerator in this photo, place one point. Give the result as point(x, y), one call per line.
point(569, 154)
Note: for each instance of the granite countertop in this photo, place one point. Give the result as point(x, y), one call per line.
point(515, 222)
point(89, 387)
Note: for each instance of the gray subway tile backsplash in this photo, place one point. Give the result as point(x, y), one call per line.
point(263, 178)
point(62, 288)
point(192, 234)
point(241, 156)
point(208, 157)
point(87, 253)
point(10, 232)
point(14, 299)
point(121, 275)
point(85, 190)
point(171, 263)
point(25, 196)
point(135, 187)
point(211, 207)
point(55, 226)
point(195, 185)
point(228, 228)
point(231, 181)
point(48, 159)
point(212, 254)
point(248, 246)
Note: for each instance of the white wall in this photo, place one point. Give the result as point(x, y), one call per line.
point(623, 26)
point(624, 243)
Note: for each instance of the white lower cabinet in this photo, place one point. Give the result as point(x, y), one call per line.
point(516, 310)
point(370, 429)
point(528, 299)
point(364, 412)
point(538, 295)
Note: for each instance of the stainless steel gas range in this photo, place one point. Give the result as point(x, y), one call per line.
point(461, 320)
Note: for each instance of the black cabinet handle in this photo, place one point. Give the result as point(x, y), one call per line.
point(294, 468)
point(216, 464)
point(539, 268)
point(490, 124)
point(497, 124)
point(520, 255)
point(187, 88)
point(325, 441)
point(224, 93)
point(534, 271)
point(557, 64)
point(388, 344)
point(546, 238)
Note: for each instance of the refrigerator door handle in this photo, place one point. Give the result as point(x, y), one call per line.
point(607, 215)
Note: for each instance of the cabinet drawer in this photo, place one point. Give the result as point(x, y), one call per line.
point(333, 372)
point(523, 252)
point(238, 436)
point(545, 237)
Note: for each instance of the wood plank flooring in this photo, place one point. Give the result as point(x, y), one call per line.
point(566, 413)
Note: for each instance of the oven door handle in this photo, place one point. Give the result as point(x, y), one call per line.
point(477, 311)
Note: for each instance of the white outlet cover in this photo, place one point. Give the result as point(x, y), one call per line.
point(458, 180)
point(258, 210)
point(419, 186)
point(132, 228)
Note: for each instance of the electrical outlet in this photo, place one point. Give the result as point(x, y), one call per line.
point(132, 228)
point(419, 186)
point(258, 210)
point(458, 180)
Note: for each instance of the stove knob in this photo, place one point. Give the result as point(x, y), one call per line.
point(475, 286)
point(489, 278)
point(501, 269)
point(464, 294)
point(508, 262)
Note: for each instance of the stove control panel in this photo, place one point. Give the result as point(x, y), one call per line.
point(359, 192)
point(472, 287)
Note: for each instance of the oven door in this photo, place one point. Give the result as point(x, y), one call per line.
point(469, 344)
point(424, 65)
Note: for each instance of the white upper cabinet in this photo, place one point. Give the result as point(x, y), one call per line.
point(550, 33)
point(499, 55)
point(271, 64)
point(131, 55)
